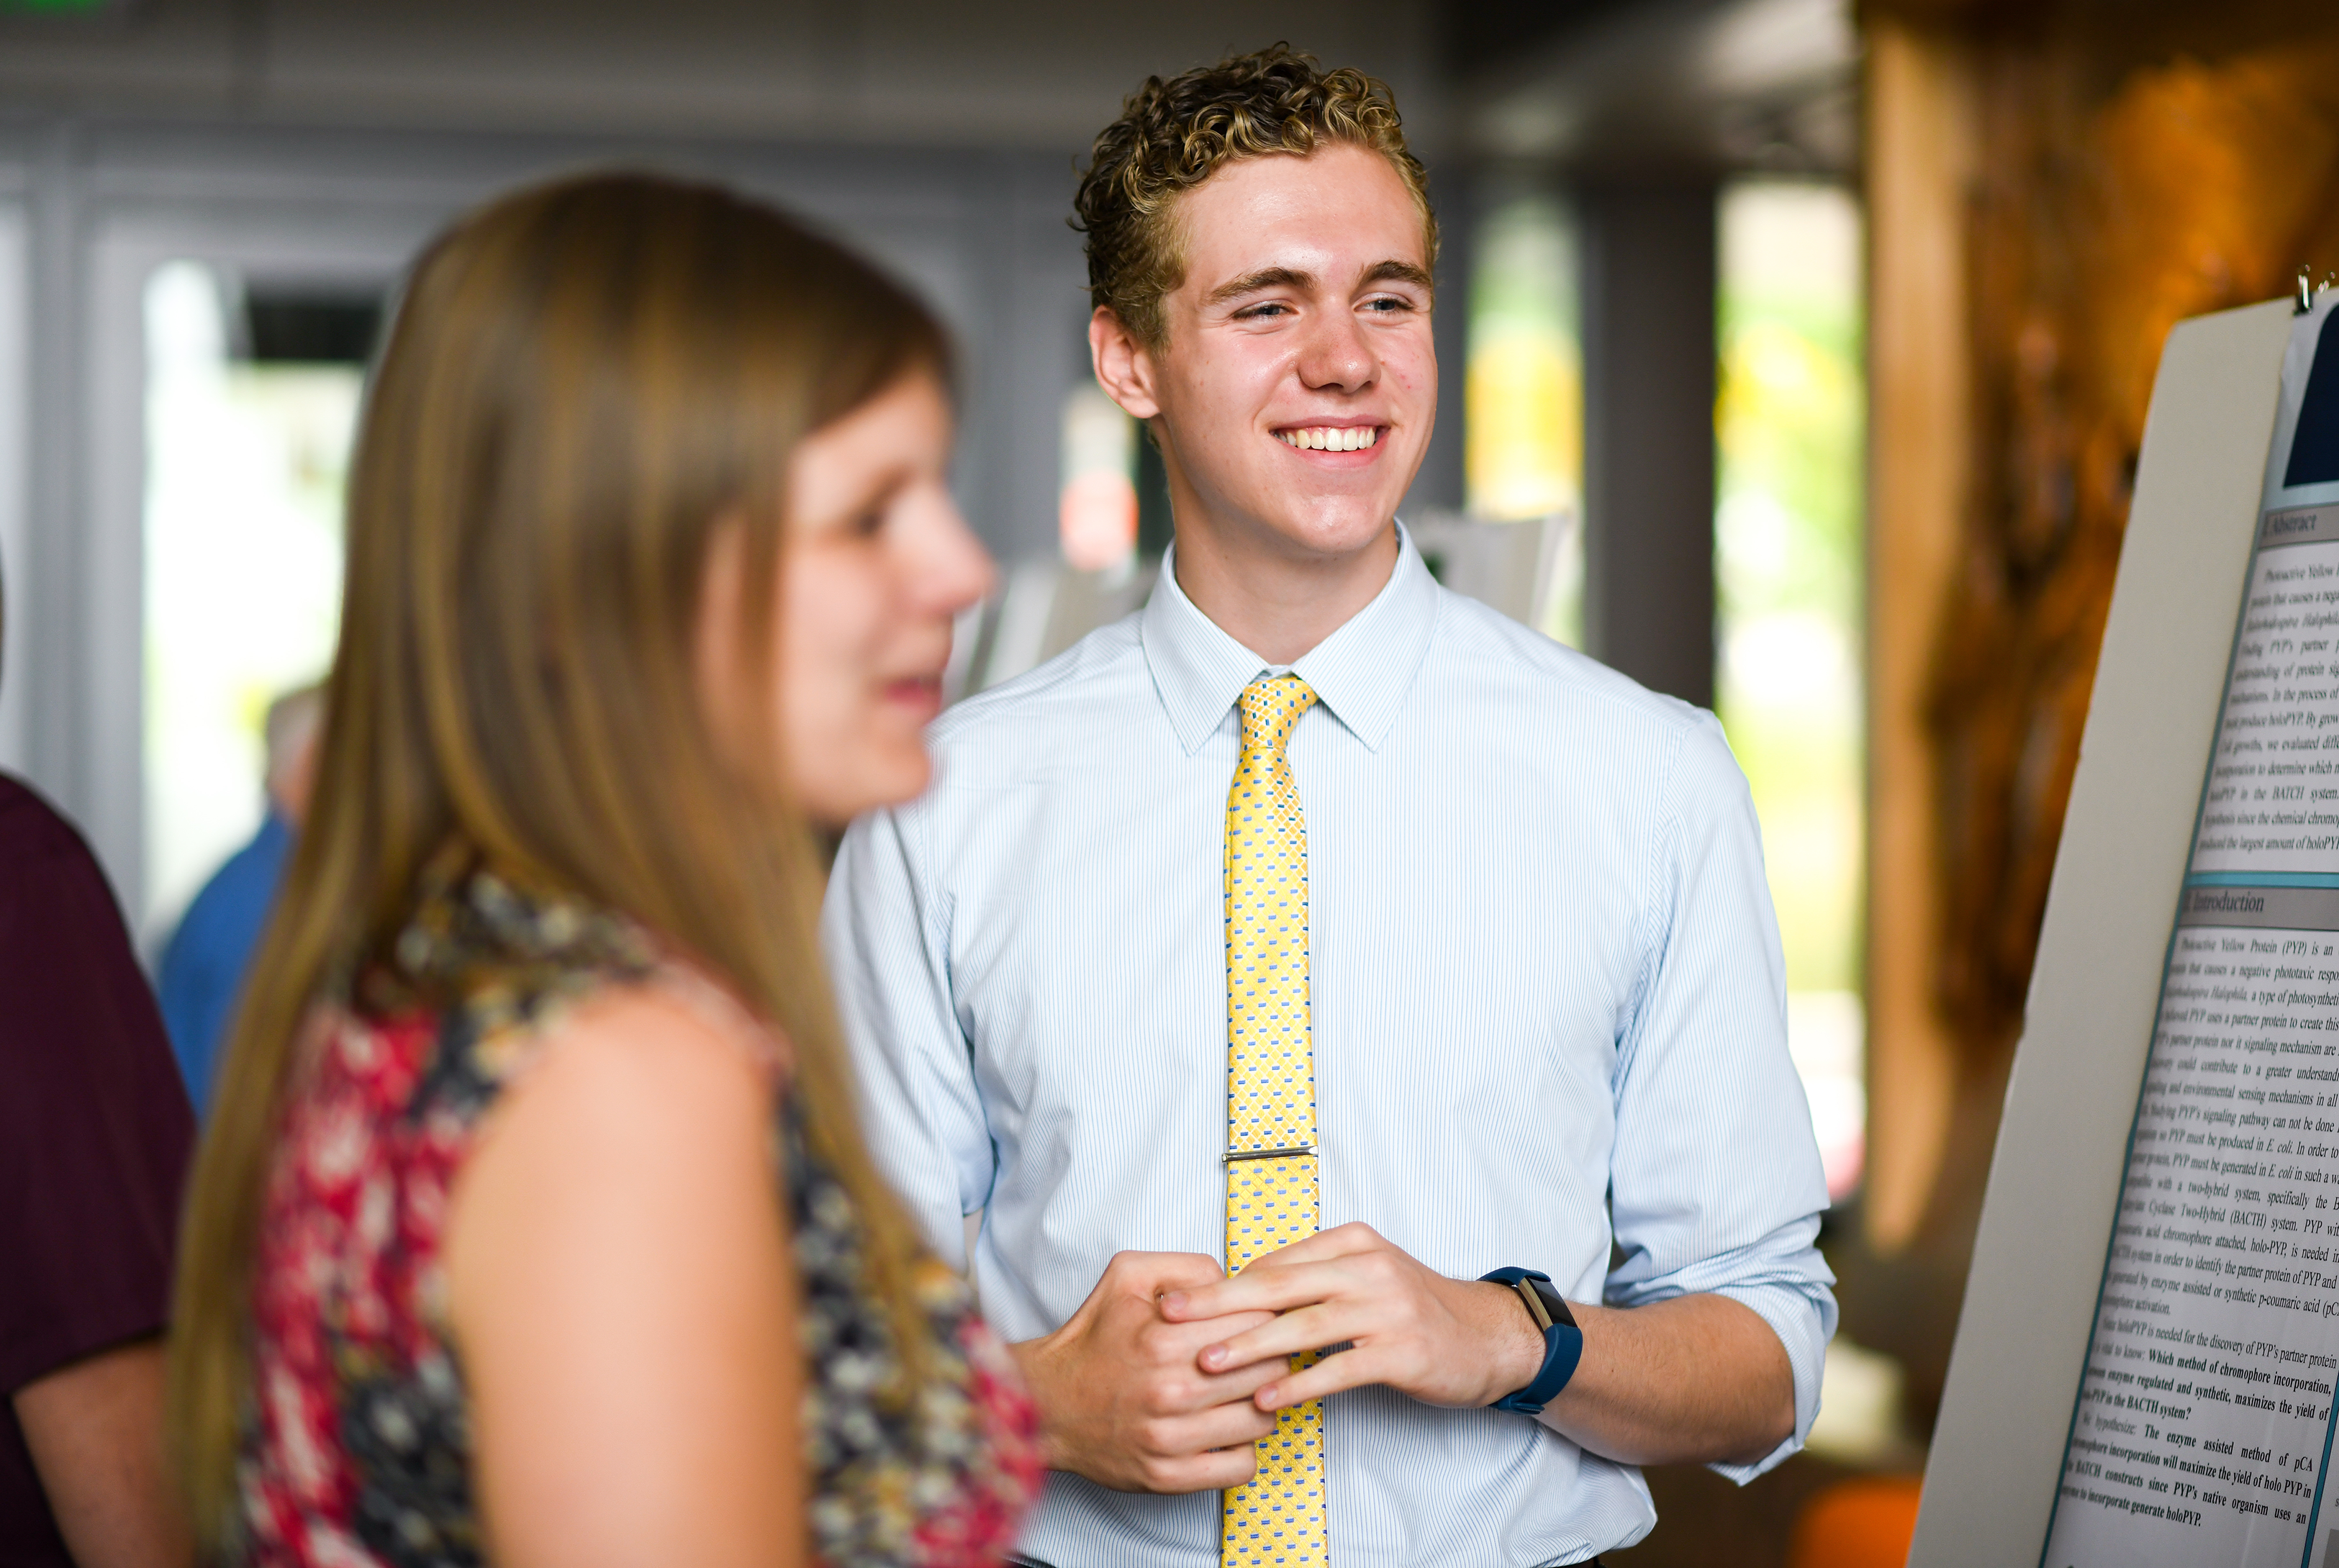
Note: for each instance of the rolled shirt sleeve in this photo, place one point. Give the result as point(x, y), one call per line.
point(1716, 1181)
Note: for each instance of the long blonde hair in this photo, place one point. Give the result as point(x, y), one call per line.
point(584, 381)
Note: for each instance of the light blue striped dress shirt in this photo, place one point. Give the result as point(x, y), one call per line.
point(1549, 1012)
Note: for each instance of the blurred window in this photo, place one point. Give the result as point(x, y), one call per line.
point(1788, 557)
point(250, 406)
point(1523, 388)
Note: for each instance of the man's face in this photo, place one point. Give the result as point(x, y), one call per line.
point(1297, 385)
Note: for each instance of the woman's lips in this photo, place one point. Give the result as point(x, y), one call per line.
point(920, 693)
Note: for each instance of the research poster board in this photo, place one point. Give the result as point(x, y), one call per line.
point(2202, 1429)
point(2069, 1304)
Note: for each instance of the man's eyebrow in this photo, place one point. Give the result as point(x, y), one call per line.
point(1397, 272)
point(1265, 278)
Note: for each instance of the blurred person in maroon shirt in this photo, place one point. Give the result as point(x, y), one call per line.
point(95, 1134)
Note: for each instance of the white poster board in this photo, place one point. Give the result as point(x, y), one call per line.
point(2145, 1364)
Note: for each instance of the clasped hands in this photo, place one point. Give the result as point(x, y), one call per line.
point(1170, 1370)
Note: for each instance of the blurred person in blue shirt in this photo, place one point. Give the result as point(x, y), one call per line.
point(204, 963)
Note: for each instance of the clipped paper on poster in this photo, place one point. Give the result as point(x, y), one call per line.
point(2203, 1428)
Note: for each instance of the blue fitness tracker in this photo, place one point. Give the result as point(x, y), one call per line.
point(1562, 1341)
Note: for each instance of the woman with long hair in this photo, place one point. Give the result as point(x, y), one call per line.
point(533, 1225)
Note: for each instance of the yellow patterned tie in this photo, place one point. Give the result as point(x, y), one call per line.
point(1277, 1519)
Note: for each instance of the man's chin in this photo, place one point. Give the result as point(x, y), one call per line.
point(1335, 534)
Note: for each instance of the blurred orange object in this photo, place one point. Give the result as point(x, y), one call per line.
point(1863, 1523)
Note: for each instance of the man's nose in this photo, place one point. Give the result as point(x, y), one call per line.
point(1336, 354)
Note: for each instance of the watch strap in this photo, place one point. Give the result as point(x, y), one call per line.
point(1562, 1345)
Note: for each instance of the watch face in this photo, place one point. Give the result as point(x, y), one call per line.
point(1554, 1305)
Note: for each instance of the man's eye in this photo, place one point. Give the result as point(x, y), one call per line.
point(1388, 306)
point(1272, 307)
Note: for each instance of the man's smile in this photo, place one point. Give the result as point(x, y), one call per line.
point(1331, 438)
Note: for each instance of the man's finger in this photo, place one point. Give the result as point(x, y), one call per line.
point(1151, 1273)
point(1255, 1290)
point(1232, 1384)
point(1194, 1330)
point(1222, 1427)
point(1333, 1374)
point(1304, 1329)
point(1210, 1472)
point(1340, 1241)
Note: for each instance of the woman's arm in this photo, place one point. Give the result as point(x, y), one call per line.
point(623, 1300)
point(96, 1432)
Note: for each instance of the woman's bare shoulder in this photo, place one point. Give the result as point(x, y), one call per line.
point(637, 1106)
point(620, 1218)
point(645, 1063)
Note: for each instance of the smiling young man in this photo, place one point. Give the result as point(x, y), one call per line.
point(1284, 960)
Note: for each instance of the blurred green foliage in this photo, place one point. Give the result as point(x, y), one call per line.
point(1789, 428)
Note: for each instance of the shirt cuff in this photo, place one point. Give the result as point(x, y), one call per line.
point(1803, 1317)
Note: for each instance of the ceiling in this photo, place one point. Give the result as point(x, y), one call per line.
point(1627, 87)
point(1639, 87)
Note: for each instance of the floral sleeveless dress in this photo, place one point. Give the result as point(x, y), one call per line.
point(357, 1447)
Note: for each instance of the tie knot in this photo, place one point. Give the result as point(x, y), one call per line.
point(1270, 706)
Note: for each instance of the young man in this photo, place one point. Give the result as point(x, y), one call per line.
point(1318, 927)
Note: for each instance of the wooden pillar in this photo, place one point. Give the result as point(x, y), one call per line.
point(1921, 143)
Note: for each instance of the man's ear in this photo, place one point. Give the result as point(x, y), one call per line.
point(1124, 366)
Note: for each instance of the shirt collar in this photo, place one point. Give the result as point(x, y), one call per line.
point(1361, 672)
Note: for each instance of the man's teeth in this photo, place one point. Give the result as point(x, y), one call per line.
point(1328, 439)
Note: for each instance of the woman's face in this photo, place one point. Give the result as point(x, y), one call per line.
point(876, 563)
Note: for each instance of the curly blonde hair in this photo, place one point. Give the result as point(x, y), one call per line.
point(1173, 135)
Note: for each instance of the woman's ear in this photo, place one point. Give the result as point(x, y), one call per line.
point(1124, 366)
